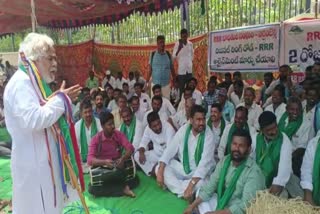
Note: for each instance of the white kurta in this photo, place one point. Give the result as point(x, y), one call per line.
point(309, 116)
point(111, 81)
point(159, 141)
point(163, 117)
point(167, 107)
point(179, 119)
point(137, 134)
point(235, 99)
point(253, 116)
point(26, 121)
point(307, 164)
point(224, 139)
point(175, 177)
point(285, 162)
point(88, 131)
point(278, 112)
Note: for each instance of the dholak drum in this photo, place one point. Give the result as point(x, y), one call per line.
point(101, 175)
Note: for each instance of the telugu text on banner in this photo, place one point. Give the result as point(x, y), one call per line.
point(300, 44)
point(253, 48)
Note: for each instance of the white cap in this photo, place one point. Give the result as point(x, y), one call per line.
point(108, 72)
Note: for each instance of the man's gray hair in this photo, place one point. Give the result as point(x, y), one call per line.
point(36, 45)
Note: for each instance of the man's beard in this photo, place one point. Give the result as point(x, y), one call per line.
point(99, 105)
point(239, 158)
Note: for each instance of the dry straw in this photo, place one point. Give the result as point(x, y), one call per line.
point(266, 203)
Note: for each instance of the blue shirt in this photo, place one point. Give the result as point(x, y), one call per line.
point(161, 65)
point(228, 111)
point(97, 115)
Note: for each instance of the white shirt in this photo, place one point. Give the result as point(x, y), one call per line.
point(145, 102)
point(185, 57)
point(116, 117)
point(278, 112)
point(216, 131)
point(112, 82)
point(131, 85)
point(179, 119)
point(253, 116)
point(137, 134)
point(77, 127)
point(112, 105)
point(285, 162)
point(167, 107)
point(235, 99)
point(160, 141)
point(231, 88)
point(140, 114)
point(224, 139)
point(196, 95)
point(307, 164)
point(309, 116)
point(163, 117)
point(119, 82)
point(301, 138)
point(175, 149)
point(26, 120)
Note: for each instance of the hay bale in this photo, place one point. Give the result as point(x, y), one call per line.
point(266, 203)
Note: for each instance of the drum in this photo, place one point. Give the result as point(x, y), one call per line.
point(101, 175)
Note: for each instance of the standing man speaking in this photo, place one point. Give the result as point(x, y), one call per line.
point(183, 52)
point(160, 67)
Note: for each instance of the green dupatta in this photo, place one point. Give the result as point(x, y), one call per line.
point(197, 153)
point(131, 131)
point(268, 156)
point(222, 126)
point(83, 137)
point(292, 127)
point(225, 194)
point(230, 134)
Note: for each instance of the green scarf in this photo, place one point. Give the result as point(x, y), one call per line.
point(292, 127)
point(197, 153)
point(316, 176)
point(129, 132)
point(231, 131)
point(225, 194)
point(222, 126)
point(268, 156)
point(83, 138)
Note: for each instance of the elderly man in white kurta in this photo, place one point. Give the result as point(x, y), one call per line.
point(253, 109)
point(188, 158)
point(182, 117)
point(37, 187)
point(278, 107)
point(160, 133)
point(131, 127)
point(166, 107)
point(310, 172)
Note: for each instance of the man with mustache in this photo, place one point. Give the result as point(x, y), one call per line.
point(98, 101)
point(240, 122)
point(309, 107)
point(298, 129)
point(193, 145)
point(272, 151)
point(278, 106)
point(234, 182)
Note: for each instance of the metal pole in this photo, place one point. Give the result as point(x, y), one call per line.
point(316, 9)
point(207, 13)
point(12, 42)
point(33, 16)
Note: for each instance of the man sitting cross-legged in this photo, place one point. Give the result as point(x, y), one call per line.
point(86, 129)
point(160, 133)
point(105, 151)
point(240, 122)
point(188, 158)
point(272, 151)
point(131, 127)
point(234, 182)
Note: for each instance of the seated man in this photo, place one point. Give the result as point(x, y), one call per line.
point(98, 102)
point(234, 182)
point(160, 133)
point(131, 127)
point(156, 105)
point(186, 94)
point(113, 178)
point(86, 129)
point(298, 129)
point(145, 102)
point(166, 107)
point(310, 172)
point(240, 122)
point(226, 105)
point(188, 158)
point(182, 117)
point(278, 107)
point(216, 122)
point(121, 103)
point(272, 151)
point(135, 105)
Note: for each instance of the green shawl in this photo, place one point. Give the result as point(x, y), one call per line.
point(292, 127)
point(225, 194)
point(197, 153)
point(83, 137)
point(268, 156)
point(229, 140)
point(131, 131)
point(222, 126)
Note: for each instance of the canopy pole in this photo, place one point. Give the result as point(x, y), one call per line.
point(207, 14)
point(33, 16)
point(316, 9)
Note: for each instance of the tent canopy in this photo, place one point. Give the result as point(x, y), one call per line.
point(15, 15)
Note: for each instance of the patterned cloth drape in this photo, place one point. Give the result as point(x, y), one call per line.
point(76, 60)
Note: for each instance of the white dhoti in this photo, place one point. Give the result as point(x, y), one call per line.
point(151, 160)
point(208, 206)
point(176, 179)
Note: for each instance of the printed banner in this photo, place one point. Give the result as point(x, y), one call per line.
point(300, 44)
point(253, 48)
